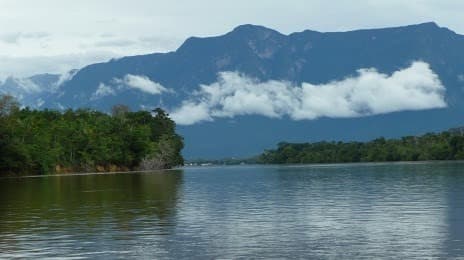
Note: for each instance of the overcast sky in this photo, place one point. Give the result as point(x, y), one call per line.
point(39, 36)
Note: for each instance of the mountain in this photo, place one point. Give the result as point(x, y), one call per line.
point(31, 91)
point(242, 92)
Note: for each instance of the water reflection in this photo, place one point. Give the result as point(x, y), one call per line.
point(372, 211)
point(454, 244)
point(329, 211)
point(76, 210)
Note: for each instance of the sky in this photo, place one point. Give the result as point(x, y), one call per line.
point(55, 36)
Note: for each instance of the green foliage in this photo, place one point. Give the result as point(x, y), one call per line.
point(8, 105)
point(443, 146)
point(42, 142)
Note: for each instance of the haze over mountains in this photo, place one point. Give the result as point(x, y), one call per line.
point(242, 92)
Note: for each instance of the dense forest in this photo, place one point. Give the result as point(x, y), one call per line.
point(448, 145)
point(47, 141)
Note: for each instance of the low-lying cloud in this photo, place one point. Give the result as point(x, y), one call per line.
point(103, 91)
point(65, 77)
point(368, 93)
point(129, 81)
point(25, 85)
point(461, 77)
point(20, 88)
point(142, 83)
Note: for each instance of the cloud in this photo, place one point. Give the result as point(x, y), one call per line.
point(23, 89)
point(16, 37)
point(65, 77)
point(115, 43)
point(40, 102)
point(28, 85)
point(117, 85)
point(129, 81)
point(103, 91)
point(11, 38)
point(142, 83)
point(27, 66)
point(154, 25)
point(368, 93)
point(190, 113)
point(19, 85)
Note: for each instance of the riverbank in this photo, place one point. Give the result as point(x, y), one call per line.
point(90, 173)
point(445, 146)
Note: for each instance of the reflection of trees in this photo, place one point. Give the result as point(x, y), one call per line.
point(89, 201)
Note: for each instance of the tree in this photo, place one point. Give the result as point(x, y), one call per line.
point(442, 146)
point(119, 110)
point(165, 155)
point(8, 105)
point(43, 142)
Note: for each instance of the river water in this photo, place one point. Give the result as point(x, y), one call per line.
point(350, 211)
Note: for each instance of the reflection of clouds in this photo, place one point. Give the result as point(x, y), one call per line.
point(374, 224)
point(319, 212)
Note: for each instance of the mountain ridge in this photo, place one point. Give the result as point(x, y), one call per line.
point(266, 55)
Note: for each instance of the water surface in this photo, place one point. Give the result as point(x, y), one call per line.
point(321, 211)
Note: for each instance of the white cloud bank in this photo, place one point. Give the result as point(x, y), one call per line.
point(369, 93)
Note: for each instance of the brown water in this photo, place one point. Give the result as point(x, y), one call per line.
point(327, 211)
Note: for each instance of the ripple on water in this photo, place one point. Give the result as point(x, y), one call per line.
point(324, 211)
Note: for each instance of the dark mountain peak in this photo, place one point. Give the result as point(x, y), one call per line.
point(307, 32)
point(191, 44)
point(251, 28)
point(245, 31)
point(255, 32)
point(305, 35)
point(428, 28)
point(426, 25)
point(262, 41)
point(421, 27)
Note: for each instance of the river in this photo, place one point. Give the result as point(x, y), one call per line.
point(349, 211)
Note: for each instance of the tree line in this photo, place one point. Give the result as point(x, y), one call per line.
point(83, 140)
point(448, 145)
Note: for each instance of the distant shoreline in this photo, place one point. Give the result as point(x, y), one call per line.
point(320, 164)
point(444, 146)
point(296, 165)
